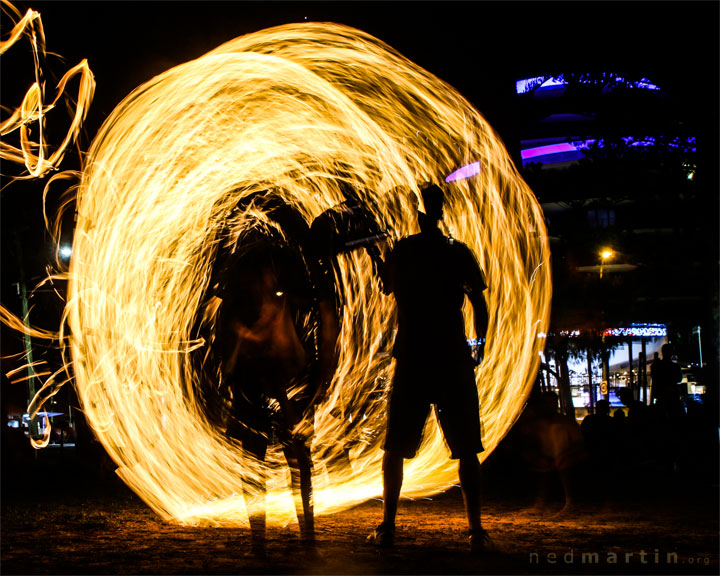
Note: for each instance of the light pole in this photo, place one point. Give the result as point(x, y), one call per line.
point(605, 255)
point(696, 330)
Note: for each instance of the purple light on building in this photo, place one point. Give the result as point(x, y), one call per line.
point(546, 154)
point(538, 83)
point(545, 83)
point(549, 149)
point(465, 172)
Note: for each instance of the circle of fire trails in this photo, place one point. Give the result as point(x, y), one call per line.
point(282, 109)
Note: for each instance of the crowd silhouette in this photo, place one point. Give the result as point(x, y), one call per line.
point(622, 452)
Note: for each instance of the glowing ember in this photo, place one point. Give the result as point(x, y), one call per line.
point(306, 111)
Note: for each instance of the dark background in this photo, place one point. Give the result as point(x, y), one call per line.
point(481, 48)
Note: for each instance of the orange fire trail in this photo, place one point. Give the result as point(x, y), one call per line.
point(34, 154)
point(24, 143)
point(299, 109)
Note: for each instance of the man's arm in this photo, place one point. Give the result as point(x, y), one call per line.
point(386, 270)
point(328, 354)
point(474, 288)
point(480, 314)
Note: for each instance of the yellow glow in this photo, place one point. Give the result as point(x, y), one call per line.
point(606, 254)
point(38, 159)
point(31, 115)
point(296, 109)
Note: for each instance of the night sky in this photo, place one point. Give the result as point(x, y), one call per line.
point(481, 48)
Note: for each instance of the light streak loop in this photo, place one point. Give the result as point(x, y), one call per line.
point(32, 112)
point(305, 111)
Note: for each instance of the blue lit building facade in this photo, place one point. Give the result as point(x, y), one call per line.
point(615, 162)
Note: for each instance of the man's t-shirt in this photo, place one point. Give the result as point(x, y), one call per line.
point(430, 274)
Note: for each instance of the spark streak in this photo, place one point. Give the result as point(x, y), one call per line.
point(33, 110)
point(303, 110)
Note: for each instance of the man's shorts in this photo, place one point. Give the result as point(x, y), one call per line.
point(451, 388)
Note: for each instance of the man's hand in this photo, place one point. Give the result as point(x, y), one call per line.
point(478, 353)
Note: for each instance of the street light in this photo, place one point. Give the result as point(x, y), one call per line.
point(606, 254)
point(65, 251)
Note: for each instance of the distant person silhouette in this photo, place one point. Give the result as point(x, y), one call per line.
point(636, 427)
point(666, 377)
point(430, 274)
point(667, 410)
point(552, 447)
point(598, 429)
point(621, 437)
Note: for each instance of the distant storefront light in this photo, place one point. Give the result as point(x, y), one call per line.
point(570, 333)
point(639, 331)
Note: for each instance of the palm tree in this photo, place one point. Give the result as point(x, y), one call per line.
point(564, 345)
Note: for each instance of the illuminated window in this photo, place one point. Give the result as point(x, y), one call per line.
point(602, 218)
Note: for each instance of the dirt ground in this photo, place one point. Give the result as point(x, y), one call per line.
point(122, 536)
point(55, 523)
point(58, 520)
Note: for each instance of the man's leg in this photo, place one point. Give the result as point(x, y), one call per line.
point(254, 493)
point(392, 484)
point(298, 459)
point(384, 534)
point(407, 412)
point(254, 487)
point(469, 473)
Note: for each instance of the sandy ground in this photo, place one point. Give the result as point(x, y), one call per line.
point(53, 523)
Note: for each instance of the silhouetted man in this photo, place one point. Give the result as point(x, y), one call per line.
point(269, 371)
point(276, 365)
point(430, 274)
